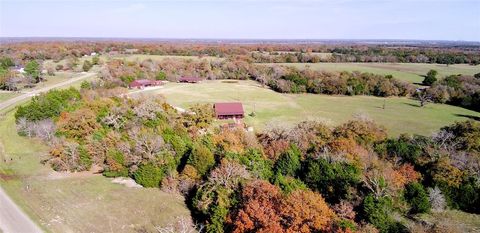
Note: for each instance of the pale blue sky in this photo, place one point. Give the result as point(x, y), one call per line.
point(250, 19)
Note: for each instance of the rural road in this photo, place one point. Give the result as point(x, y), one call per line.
point(25, 96)
point(12, 218)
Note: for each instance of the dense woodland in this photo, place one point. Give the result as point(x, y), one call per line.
point(261, 53)
point(308, 178)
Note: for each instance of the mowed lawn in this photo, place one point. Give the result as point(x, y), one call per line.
point(79, 202)
point(401, 115)
point(410, 72)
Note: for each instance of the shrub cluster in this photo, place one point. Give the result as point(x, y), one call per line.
point(457, 90)
point(279, 78)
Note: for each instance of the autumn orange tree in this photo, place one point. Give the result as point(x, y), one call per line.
point(265, 209)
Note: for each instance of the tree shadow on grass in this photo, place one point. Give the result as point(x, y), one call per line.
point(469, 116)
point(413, 105)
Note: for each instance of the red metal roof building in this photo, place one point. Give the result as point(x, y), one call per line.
point(142, 83)
point(189, 79)
point(229, 110)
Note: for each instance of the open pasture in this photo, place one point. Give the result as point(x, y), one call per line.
point(410, 72)
point(401, 115)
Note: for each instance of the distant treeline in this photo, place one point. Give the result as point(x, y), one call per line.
point(279, 78)
point(460, 90)
point(373, 54)
point(252, 52)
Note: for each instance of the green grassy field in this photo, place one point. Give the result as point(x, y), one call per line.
point(410, 72)
point(7, 95)
point(52, 80)
point(77, 202)
point(401, 115)
point(462, 221)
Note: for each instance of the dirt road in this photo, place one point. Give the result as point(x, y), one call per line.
point(28, 95)
point(12, 218)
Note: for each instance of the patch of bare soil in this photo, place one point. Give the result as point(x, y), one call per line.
point(7, 177)
point(128, 182)
point(54, 175)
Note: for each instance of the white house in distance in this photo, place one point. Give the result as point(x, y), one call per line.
point(19, 69)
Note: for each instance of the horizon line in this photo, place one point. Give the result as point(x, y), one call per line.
point(234, 39)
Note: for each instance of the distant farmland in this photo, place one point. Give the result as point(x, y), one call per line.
point(410, 72)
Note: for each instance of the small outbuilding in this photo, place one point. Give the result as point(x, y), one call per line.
point(229, 110)
point(142, 83)
point(189, 79)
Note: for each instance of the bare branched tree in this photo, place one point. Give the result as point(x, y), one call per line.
point(445, 140)
point(147, 108)
point(147, 144)
point(114, 118)
point(229, 174)
point(437, 200)
point(44, 129)
point(423, 96)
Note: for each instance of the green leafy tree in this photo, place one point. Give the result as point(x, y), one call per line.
point(85, 160)
point(331, 179)
point(32, 69)
point(87, 65)
point(466, 196)
point(49, 105)
point(201, 158)
point(289, 162)
point(115, 162)
point(258, 165)
point(86, 85)
point(214, 201)
point(378, 212)
point(417, 197)
point(403, 147)
point(203, 116)
point(430, 78)
point(149, 175)
point(127, 79)
point(289, 184)
point(6, 62)
point(95, 60)
point(161, 76)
